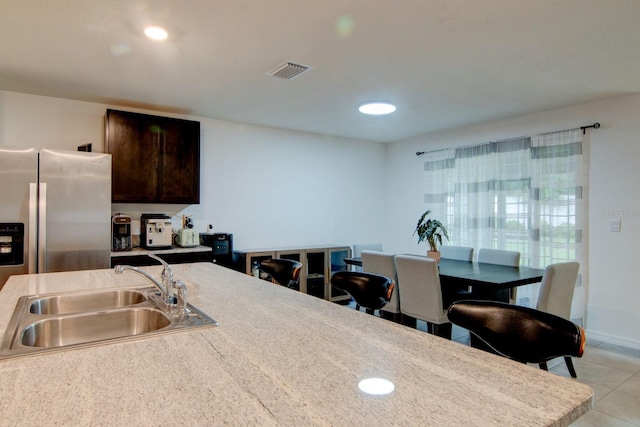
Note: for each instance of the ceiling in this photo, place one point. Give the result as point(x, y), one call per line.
point(444, 63)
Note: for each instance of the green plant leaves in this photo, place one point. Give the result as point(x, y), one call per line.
point(431, 231)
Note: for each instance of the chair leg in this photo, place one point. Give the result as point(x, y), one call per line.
point(569, 363)
point(394, 317)
point(543, 365)
point(443, 330)
point(430, 328)
point(408, 321)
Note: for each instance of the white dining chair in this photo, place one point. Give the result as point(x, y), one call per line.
point(420, 293)
point(359, 247)
point(460, 253)
point(556, 294)
point(383, 264)
point(501, 257)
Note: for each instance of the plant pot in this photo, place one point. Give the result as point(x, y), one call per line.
point(435, 255)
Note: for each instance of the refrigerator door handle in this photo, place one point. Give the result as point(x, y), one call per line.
point(42, 228)
point(33, 227)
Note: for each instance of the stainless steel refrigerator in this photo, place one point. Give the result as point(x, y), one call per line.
point(55, 211)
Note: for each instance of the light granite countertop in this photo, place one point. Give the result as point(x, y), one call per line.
point(279, 357)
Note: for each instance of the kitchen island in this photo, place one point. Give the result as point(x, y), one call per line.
point(278, 357)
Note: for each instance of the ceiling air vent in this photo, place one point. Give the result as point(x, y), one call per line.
point(288, 70)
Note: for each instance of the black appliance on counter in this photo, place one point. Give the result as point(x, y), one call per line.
point(121, 233)
point(222, 244)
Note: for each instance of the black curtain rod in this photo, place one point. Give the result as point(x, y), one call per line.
point(596, 125)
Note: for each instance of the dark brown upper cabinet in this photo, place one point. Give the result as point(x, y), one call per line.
point(154, 159)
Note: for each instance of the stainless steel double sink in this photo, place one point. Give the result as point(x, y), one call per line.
point(45, 323)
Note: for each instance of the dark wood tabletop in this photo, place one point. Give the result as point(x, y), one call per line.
point(480, 276)
point(493, 276)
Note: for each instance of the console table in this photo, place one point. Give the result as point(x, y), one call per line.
point(318, 264)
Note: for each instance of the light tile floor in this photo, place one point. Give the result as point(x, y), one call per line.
point(613, 372)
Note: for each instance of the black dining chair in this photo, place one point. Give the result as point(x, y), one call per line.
point(285, 272)
point(520, 333)
point(369, 290)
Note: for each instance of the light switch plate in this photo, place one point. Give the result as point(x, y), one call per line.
point(614, 225)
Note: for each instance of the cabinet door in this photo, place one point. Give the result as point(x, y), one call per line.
point(337, 256)
point(296, 255)
point(179, 172)
point(134, 146)
point(315, 272)
point(155, 159)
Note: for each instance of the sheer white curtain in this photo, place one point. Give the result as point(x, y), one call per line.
point(523, 194)
point(559, 191)
point(439, 185)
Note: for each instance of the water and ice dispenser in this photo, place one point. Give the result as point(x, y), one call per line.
point(11, 243)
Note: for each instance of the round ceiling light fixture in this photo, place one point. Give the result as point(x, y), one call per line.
point(377, 108)
point(156, 33)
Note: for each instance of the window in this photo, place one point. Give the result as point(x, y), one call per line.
point(523, 194)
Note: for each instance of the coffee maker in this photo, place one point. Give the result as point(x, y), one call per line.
point(120, 233)
point(155, 231)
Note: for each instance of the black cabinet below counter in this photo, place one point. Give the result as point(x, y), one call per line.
point(139, 257)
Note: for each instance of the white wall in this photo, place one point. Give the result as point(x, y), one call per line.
point(272, 187)
point(612, 313)
point(268, 187)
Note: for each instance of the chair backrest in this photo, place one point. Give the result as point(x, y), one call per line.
point(359, 247)
point(520, 333)
point(284, 271)
point(556, 292)
point(461, 253)
point(369, 290)
point(384, 264)
point(419, 288)
point(498, 256)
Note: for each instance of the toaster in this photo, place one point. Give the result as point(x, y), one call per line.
point(187, 237)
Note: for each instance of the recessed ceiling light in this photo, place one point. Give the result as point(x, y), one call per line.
point(377, 108)
point(156, 33)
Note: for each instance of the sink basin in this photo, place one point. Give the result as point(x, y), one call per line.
point(90, 327)
point(61, 321)
point(86, 301)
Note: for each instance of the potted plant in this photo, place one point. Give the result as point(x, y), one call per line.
point(431, 231)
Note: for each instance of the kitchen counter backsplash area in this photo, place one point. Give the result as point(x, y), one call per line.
point(173, 250)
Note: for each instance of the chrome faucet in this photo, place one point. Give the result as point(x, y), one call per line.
point(168, 279)
point(165, 286)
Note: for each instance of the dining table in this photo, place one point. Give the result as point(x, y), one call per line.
point(486, 281)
